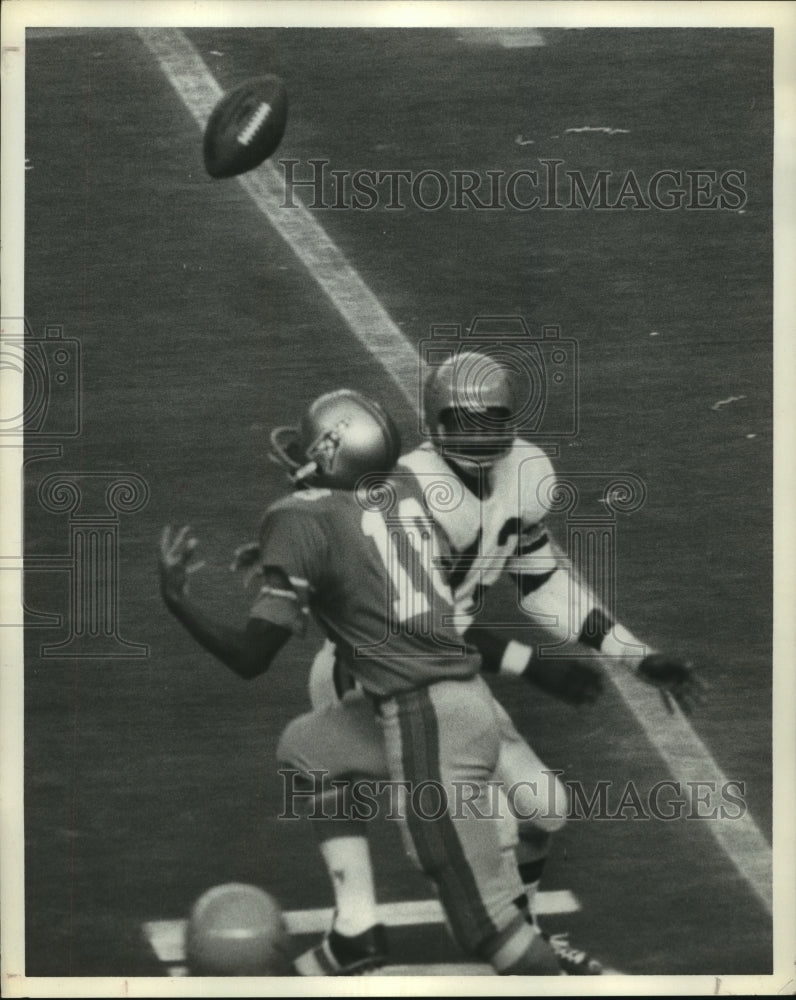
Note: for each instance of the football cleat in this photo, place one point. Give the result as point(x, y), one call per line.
point(573, 961)
point(341, 955)
point(343, 436)
point(469, 408)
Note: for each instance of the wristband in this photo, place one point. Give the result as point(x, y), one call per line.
point(516, 658)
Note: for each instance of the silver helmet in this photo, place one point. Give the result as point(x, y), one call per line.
point(343, 436)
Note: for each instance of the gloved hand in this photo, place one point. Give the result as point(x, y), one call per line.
point(676, 680)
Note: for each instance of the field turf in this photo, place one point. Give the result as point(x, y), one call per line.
point(150, 778)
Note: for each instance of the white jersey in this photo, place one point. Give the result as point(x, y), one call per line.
point(493, 524)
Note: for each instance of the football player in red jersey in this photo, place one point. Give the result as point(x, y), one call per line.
point(482, 486)
point(367, 578)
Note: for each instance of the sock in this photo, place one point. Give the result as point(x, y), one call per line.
point(522, 951)
point(348, 863)
point(532, 851)
point(531, 874)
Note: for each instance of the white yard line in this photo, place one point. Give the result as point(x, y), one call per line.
point(420, 911)
point(326, 263)
point(167, 937)
point(688, 759)
point(506, 38)
point(686, 756)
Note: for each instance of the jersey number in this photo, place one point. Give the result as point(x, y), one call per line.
point(405, 547)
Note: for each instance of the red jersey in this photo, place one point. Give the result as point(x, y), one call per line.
point(371, 571)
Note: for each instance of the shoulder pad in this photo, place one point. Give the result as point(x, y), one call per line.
point(311, 493)
point(526, 469)
point(298, 500)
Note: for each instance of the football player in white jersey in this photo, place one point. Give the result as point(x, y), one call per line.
point(484, 487)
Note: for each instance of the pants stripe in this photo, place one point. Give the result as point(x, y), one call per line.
point(436, 841)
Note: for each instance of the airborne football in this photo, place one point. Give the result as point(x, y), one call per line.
point(245, 127)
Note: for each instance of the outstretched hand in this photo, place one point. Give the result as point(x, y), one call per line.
point(676, 680)
point(177, 546)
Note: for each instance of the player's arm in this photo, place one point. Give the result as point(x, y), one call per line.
point(567, 678)
point(248, 651)
point(549, 591)
point(549, 586)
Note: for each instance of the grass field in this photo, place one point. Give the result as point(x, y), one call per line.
point(149, 778)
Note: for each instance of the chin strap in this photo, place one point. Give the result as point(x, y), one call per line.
point(302, 474)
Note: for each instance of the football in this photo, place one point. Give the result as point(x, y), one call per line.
point(245, 127)
point(237, 930)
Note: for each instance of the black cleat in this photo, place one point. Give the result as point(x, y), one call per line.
point(340, 955)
